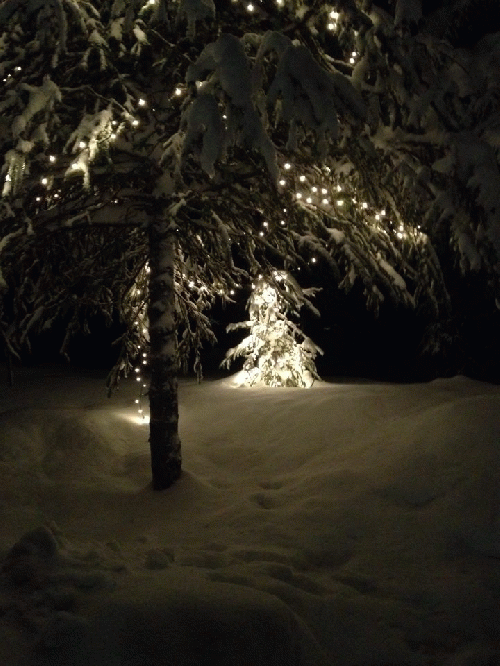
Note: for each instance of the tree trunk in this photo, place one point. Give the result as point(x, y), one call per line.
point(164, 412)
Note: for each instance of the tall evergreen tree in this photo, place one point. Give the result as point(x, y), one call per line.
point(211, 141)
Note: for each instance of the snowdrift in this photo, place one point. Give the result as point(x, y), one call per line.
point(352, 524)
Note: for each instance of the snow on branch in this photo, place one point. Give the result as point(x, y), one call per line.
point(41, 98)
point(228, 81)
point(307, 93)
point(193, 11)
point(92, 134)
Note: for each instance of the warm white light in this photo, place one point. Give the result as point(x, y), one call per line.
point(52, 158)
point(339, 188)
point(261, 233)
point(44, 181)
point(302, 178)
point(309, 200)
point(331, 26)
point(313, 260)
point(382, 212)
point(364, 205)
point(325, 201)
point(314, 189)
point(340, 202)
point(265, 224)
point(250, 7)
point(298, 195)
point(135, 123)
point(287, 165)
point(282, 222)
point(113, 135)
point(334, 15)
point(178, 92)
point(141, 102)
point(282, 182)
point(82, 144)
point(324, 190)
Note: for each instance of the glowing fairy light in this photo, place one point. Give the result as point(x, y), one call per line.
point(52, 158)
point(82, 144)
point(178, 92)
point(282, 222)
point(309, 200)
point(324, 190)
point(314, 190)
point(298, 195)
point(287, 166)
point(340, 202)
point(135, 123)
point(364, 205)
point(265, 224)
point(250, 7)
point(302, 178)
point(325, 201)
point(44, 181)
point(141, 102)
point(282, 182)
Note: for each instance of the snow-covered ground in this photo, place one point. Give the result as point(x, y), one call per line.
point(351, 524)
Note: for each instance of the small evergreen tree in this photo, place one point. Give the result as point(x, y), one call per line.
point(276, 352)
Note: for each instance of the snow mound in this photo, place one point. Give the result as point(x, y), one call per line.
point(348, 524)
point(63, 445)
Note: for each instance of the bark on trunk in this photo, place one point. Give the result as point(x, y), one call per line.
point(164, 438)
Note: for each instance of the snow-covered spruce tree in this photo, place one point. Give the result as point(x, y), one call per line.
point(109, 119)
point(225, 146)
point(276, 352)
